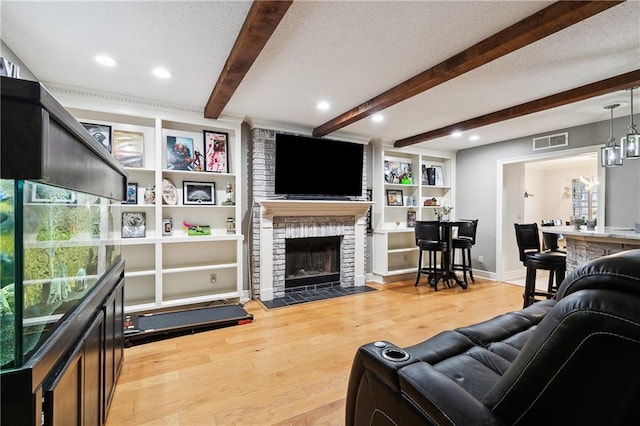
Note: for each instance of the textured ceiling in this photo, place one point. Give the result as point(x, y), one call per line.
point(344, 52)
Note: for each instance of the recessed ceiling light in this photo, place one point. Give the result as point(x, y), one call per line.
point(474, 137)
point(161, 72)
point(456, 133)
point(323, 106)
point(377, 118)
point(105, 60)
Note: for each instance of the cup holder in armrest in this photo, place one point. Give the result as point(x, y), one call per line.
point(395, 354)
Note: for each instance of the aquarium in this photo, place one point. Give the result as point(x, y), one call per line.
point(56, 244)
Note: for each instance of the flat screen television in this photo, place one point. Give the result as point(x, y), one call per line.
point(308, 167)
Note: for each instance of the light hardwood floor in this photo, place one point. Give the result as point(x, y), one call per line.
point(291, 365)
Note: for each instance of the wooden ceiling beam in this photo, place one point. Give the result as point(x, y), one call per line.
point(549, 20)
point(602, 87)
point(262, 20)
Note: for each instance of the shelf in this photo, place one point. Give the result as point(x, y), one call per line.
point(193, 175)
point(174, 270)
point(394, 250)
point(199, 268)
point(202, 238)
point(196, 206)
point(143, 273)
point(403, 250)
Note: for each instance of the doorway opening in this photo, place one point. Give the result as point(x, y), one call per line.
point(547, 187)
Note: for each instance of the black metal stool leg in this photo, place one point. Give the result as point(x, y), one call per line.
point(419, 267)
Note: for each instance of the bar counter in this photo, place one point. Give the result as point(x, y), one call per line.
point(584, 245)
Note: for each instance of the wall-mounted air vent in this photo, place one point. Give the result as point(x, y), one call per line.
point(551, 141)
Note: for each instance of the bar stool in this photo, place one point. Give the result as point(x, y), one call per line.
point(533, 258)
point(463, 242)
point(428, 239)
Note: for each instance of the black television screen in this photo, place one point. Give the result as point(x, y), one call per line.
point(314, 167)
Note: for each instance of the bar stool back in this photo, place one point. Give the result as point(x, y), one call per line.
point(429, 240)
point(463, 242)
point(533, 258)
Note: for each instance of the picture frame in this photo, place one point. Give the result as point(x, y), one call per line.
point(439, 175)
point(395, 197)
point(199, 193)
point(132, 193)
point(398, 171)
point(411, 219)
point(134, 224)
point(41, 193)
point(101, 133)
point(180, 153)
point(167, 226)
point(128, 148)
point(216, 148)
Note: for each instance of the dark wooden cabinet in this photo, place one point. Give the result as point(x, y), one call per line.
point(77, 389)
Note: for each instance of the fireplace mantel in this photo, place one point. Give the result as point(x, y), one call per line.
point(272, 209)
point(314, 208)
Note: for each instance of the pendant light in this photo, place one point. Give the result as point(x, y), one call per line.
point(631, 142)
point(611, 155)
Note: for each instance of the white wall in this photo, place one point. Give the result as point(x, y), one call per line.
point(548, 185)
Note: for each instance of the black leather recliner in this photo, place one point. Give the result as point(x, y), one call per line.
point(570, 360)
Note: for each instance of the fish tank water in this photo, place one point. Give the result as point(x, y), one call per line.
point(55, 245)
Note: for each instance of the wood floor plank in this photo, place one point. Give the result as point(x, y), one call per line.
point(289, 366)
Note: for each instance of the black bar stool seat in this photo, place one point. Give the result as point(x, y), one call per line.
point(533, 258)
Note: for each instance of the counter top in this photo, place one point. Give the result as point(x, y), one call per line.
point(613, 232)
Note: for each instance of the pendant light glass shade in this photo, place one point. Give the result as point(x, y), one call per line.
point(631, 142)
point(612, 154)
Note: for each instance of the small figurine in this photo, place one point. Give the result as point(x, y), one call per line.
point(229, 190)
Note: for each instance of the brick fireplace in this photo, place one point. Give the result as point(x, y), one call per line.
point(277, 220)
point(281, 220)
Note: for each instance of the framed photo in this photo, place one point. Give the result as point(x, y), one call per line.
point(439, 175)
point(167, 226)
point(398, 171)
point(132, 193)
point(394, 197)
point(101, 133)
point(411, 219)
point(180, 153)
point(134, 224)
point(216, 157)
point(41, 193)
point(128, 148)
point(199, 192)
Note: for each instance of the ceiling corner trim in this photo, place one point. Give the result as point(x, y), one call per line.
point(262, 20)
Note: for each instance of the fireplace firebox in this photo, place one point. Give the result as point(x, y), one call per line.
point(312, 262)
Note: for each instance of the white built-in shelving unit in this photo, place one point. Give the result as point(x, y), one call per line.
point(174, 270)
point(394, 250)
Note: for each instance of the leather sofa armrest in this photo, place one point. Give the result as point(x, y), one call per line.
point(372, 357)
point(442, 400)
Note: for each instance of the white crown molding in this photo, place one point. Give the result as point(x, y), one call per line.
point(279, 126)
point(115, 98)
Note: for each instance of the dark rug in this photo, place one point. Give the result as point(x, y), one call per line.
point(311, 295)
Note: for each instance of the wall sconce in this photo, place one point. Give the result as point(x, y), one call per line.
point(631, 142)
point(611, 155)
point(527, 194)
point(565, 194)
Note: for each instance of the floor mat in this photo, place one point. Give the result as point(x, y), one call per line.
point(143, 328)
point(311, 295)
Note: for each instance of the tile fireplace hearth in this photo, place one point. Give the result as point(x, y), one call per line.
point(282, 220)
